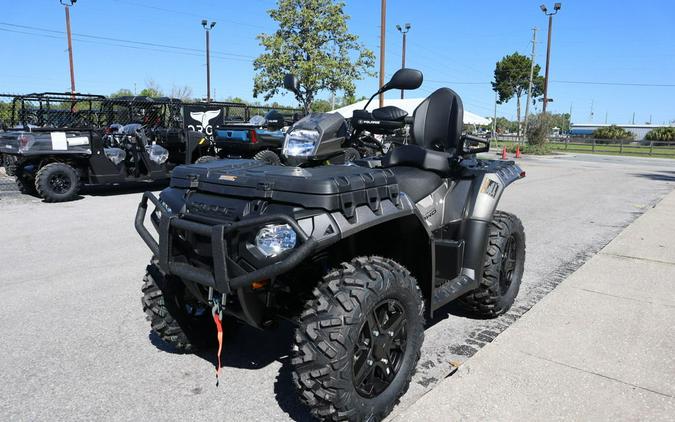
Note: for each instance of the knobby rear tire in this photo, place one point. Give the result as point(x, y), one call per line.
point(491, 298)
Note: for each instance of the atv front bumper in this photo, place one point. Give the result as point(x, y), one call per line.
point(224, 275)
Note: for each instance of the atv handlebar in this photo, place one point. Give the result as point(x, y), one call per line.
point(218, 276)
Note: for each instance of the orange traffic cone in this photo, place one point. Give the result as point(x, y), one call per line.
point(517, 151)
point(504, 153)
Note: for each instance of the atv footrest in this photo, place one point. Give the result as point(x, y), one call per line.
point(451, 290)
point(449, 282)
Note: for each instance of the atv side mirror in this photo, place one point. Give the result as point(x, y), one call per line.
point(291, 83)
point(404, 79)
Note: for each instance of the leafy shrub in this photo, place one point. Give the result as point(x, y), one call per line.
point(612, 132)
point(538, 128)
point(661, 134)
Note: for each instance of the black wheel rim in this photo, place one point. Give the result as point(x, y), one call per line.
point(60, 183)
point(508, 266)
point(380, 347)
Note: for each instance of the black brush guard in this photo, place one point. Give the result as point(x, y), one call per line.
point(219, 276)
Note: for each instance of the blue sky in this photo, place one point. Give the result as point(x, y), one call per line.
point(455, 44)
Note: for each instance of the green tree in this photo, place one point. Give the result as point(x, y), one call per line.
point(313, 43)
point(661, 134)
point(151, 89)
point(5, 113)
point(512, 78)
point(322, 106)
point(238, 100)
point(124, 92)
point(560, 120)
point(612, 132)
point(504, 125)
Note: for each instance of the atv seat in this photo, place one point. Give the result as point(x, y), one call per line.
point(416, 183)
point(437, 134)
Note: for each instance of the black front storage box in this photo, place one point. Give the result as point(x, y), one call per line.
point(332, 188)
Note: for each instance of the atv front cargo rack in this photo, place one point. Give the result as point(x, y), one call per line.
point(219, 275)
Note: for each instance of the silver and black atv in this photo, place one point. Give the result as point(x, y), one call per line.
point(357, 255)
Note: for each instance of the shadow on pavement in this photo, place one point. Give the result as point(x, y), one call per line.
point(123, 188)
point(250, 348)
point(661, 176)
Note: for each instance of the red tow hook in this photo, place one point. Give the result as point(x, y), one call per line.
point(217, 318)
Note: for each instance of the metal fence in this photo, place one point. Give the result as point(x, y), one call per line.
point(616, 146)
point(64, 110)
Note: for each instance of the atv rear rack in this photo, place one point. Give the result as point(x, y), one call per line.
point(218, 277)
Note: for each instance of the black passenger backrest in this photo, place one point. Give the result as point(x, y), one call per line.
point(438, 121)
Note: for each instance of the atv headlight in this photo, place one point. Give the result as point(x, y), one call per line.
point(301, 142)
point(274, 239)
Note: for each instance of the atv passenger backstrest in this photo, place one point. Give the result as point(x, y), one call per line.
point(357, 255)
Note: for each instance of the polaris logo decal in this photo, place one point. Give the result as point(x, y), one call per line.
point(202, 208)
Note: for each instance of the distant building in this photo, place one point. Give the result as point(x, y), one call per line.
point(587, 129)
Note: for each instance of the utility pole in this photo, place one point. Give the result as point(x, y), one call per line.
point(383, 23)
point(208, 27)
point(494, 120)
point(405, 33)
point(556, 8)
point(67, 4)
point(529, 86)
point(633, 118)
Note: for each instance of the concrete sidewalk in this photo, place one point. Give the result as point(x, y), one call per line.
point(601, 346)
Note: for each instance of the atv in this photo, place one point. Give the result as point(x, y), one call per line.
point(53, 160)
point(261, 138)
point(356, 255)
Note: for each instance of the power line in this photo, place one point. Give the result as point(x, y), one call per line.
point(615, 83)
point(183, 53)
point(123, 40)
point(189, 14)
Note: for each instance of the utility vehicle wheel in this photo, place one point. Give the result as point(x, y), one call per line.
point(502, 269)
point(205, 159)
point(57, 182)
point(351, 154)
point(358, 340)
point(269, 157)
point(26, 184)
point(174, 314)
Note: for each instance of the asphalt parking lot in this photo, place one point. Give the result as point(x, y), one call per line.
point(76, 345)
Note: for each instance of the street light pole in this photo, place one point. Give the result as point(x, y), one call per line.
point(529, 86)
point(405, 33)
point(556, 8)
point(67, 4)
point(383, 23)
point(208, 27)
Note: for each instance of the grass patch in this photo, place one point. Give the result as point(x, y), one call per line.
point(626, 150)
